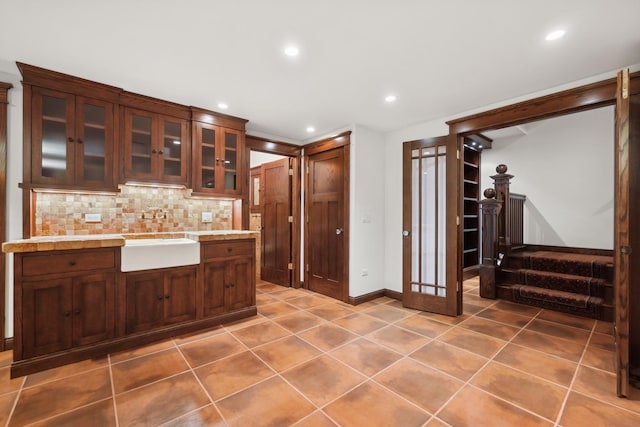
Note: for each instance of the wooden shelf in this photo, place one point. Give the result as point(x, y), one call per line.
point(471, 241)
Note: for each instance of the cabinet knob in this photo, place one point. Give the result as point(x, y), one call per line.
point(231, 285)
point(72, 262)
point(160, 152)
point(167, 296)
point(160, 297)
point(79, 141)
point(154, 151)
point(70, 139)
point(77, 311)
point(66, 313)
point(229, 249)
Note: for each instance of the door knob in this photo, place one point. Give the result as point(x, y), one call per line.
point(339, 231)
point(406, 233)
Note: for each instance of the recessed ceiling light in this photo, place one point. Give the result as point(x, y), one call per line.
point(291, 51)
point(311, 129)
point(222, 106)
point(554, 35)
point(390, 98)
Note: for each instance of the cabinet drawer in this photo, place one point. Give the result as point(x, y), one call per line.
point(68, 262)
point(227, 249)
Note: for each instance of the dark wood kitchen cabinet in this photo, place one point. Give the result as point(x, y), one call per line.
point(218, 154)
point(156, 147)
point(229, 276)
point(64, 299)
point(156, 298)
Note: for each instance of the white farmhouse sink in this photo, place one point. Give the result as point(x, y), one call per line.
point(147, 254)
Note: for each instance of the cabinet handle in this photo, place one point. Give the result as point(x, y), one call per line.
point(66, 313)
point(229, 250)
point(160, 152)
point(154, 151)
point(77, 311)
point(72, 263)
point(79, 141)
point(160, 297)
point(70, 139)
point(167, 296)
point(231, 285)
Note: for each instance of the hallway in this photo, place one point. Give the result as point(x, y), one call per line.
point(308, 360)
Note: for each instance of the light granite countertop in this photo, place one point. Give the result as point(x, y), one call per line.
point(92, 241)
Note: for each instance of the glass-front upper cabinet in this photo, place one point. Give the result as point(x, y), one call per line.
point(72, 140)
point(155, 147)
point(217, 159)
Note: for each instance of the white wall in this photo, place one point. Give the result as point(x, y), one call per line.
point(366, 210)
point(565, 167)
point(258, 158)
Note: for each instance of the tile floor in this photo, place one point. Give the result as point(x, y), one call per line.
point(307, 360)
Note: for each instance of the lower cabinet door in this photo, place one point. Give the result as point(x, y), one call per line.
point(144, 294)
point(47, 320)
point(180, 295)
point(93, 308)
point(240, 280)
point(214, 288)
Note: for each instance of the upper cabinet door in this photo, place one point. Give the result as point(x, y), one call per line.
point(217, 159)
point(94, 143)
point(155, 147)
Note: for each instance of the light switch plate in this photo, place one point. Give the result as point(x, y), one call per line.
point(94, 217)
point(207, 217)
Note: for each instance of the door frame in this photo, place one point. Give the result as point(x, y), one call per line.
point(343, 141)
point(256, 143)
point(595, 95)
point(4, 101)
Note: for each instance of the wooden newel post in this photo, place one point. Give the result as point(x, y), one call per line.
point(490, 209)
point(501, 183)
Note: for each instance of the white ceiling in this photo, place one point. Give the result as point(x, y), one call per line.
point(440, 57)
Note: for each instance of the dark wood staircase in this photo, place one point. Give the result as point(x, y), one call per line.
point(559, 279)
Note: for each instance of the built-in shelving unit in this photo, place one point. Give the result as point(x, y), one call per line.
point(471, 213)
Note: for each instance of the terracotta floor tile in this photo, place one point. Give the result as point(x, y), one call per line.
point(246, 322)
point(143, 370)
point(369, 402)
point(6, 357)
point(398, 304)
point(448, 320)
point(555, 369)
point(65, 371)
point(473, 407)
point(60, 396)
point(548, 344)
point(260, 333)
point(270, 403)
point(423, 325)
point(8, 385)
point(287, 293)
point(7, 401)
point(211, 349)
point(161, 401)
point(489, 327)
point(472, 341)
point(360, 323)
point(232, 374)
point(471, 308)
point(452, 360)
point(299, 321)
point(317, 419)
point(408, 378)
point(140, 351)
point(306, 301)
point(602, 341)
point(269, 287)
point(97, 414)
point(327, 337)
point(526, 391)
point(601, 385)
point(477, 300)
point(387, 314)
point(196, 336)
point(323, 379)
point(365, 356)
point(285, 353)
point(506, 317)
point(330, 311)
point(578, 336)
point(263, 299)
point(567, 319)
point(207, 416)
point(603, 327)
point(364, 306)
point(599, 358)
point(398, 339)
point(513, 307)
point(581, 411)
point(436, 422)
point(276, 309)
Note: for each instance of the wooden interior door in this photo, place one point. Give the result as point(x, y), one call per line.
point(431, 279)
point(327, 233)
point(276, 228)
point(627, 233)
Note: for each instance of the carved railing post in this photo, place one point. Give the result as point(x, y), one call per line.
point(490, 210)
point(501, 183)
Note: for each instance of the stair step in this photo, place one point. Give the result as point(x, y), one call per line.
point(598, 266)
point(568, 302)
point(563, 282)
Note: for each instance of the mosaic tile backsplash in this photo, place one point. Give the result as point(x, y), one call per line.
point(136, 209)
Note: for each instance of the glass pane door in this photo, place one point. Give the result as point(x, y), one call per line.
point(230, 160)
point(56, 134)
point(172, 148)
point(141, 144)
point(93, 146)
point(207, 157)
